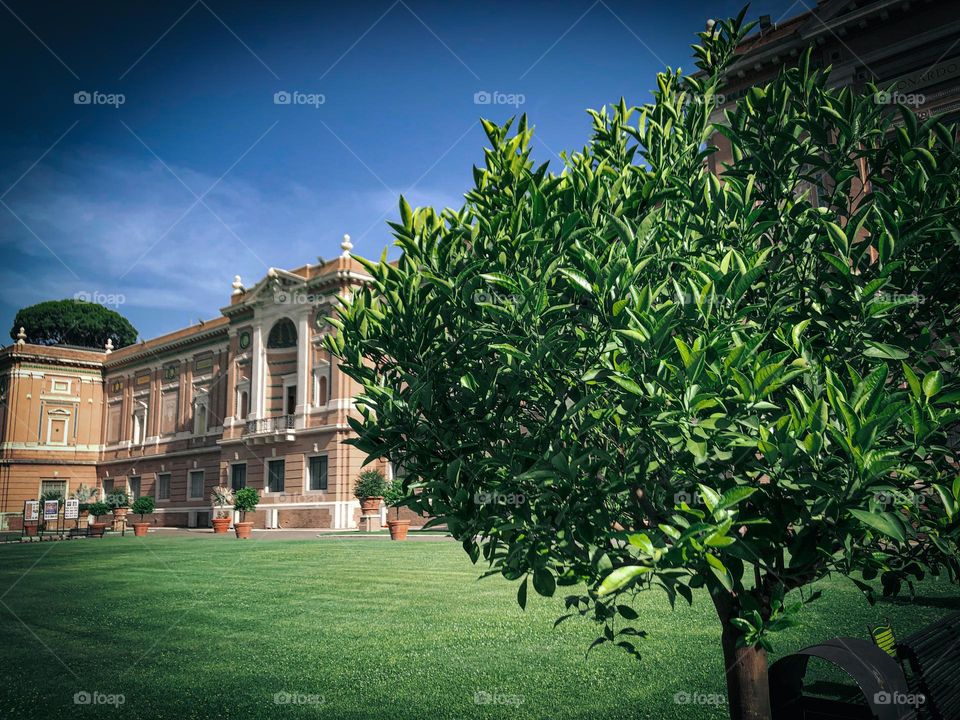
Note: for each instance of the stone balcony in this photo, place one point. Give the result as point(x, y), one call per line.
point(280, 428)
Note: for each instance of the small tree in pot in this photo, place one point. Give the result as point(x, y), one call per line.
point(143, 505)
point(371, 484)
point(222, 498)
point(119, 501)
point(96, 510)
point(394, 496)
point(245, 500)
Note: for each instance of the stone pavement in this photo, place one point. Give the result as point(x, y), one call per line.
point(310, 534)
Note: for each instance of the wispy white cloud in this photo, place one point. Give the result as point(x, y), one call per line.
point(118, 224)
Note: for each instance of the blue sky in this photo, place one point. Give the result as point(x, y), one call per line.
point(153, 205)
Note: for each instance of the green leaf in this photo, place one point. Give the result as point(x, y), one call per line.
point(912, 380)
point(887, 352)
point(885, 522)
point(837, 236)
point(406, 214)
point(949, 502)
point(839, 264)
point(620, 577)
point(628, 385)
point(797, 331)
point(711, 498)
point(522, 594)
point(720, 571)
point(577, 279)
point(735, 495)
point(543, 582)
point(633, 335)
point(932, 383)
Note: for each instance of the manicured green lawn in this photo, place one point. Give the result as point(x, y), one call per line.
point(203, 627)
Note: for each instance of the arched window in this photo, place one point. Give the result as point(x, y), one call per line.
point(282, 335)
point(322, 392)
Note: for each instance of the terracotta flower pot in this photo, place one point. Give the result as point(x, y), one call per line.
point(120, 512)
point(98, 528)
point(221, 526)
point(398, 529)
point(243, 529)
point(369, 506)
point(31, 529)
point(140, 529)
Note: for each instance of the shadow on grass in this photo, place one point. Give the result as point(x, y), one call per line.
point(945, 603)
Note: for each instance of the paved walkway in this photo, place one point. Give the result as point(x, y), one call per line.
point(312, 534)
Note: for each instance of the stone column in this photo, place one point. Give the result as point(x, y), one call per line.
point(303, 369)
point(257, 409)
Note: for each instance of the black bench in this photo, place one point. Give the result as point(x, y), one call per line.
point(931, 660)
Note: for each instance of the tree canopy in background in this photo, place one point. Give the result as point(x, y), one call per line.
point(72, 322)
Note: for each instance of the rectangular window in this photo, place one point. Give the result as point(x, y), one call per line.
point(275, 475)
point(163, 486)
point(107, 486)
point(238, 476)
point(196, 483)
point(134, 483)
point(318, 472)
point(54, 487)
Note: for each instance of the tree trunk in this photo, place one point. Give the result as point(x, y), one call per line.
point(748, 688)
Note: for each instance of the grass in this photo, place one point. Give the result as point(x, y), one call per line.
point(200, 627)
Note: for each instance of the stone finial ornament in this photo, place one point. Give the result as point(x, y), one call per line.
point(346, 246)
point(108, 348)
point(237, 286)
point(21, 337)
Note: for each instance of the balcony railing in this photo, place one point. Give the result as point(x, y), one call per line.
point(271, 424)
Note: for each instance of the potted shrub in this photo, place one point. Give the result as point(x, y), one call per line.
point(369, 490)
point(394, 496)
point(143, 505)
point(97, 509)
point(85, 495)
point(222, 498)
point(245, 500)
point(119, 502)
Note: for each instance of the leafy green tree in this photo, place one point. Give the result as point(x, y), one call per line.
point(706, 386)
point(72, 322)
point(143, 505)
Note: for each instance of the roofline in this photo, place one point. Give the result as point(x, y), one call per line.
point(169, 341)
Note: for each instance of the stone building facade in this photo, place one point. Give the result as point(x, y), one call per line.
point(910, 47)
point(250, 398)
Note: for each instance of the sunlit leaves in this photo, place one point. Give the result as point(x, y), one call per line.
point(629, 373)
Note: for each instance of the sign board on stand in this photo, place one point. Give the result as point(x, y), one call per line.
point(31, 510)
